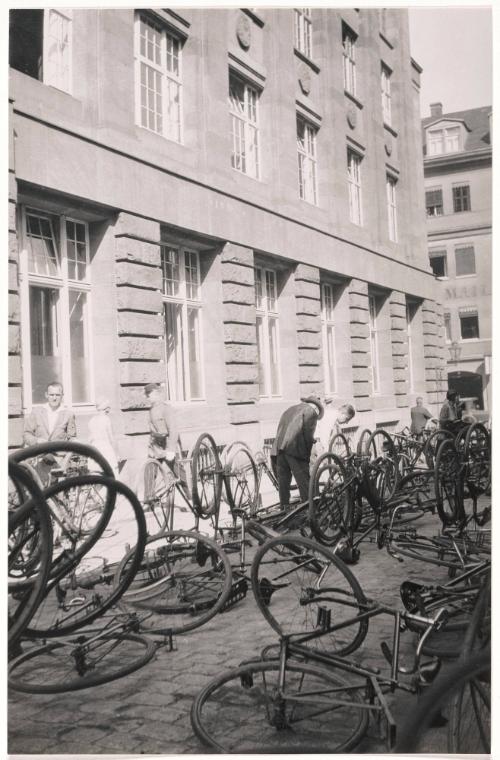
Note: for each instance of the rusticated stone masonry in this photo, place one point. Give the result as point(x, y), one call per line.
point(432, 349)
point(308, 310)
point(360, 348)
point(441, 367)
point(399, 346)
point(139, 318)
point(240, 337)
point(15, 399)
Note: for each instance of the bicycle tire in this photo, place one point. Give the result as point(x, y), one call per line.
point(363, 437)
point(437, 698)
point(245, 700)
point(241, 479)
point(478, 457)
point(57, 616)
point(380, 472)
point(27, 581)
point(49, 669)
point(207, 476)
point(154, 489)
point(339, 445)
point(192, 593)
point(448, 484)
point(302, 568)
point(432, 444)
point(330, 502)
point(426, 552)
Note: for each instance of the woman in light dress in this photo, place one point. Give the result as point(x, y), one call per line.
point(101, 434)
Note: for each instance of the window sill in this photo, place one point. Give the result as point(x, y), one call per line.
point(354, 99)
point(390, 129)
point(469, 340)
point(161, 136)
point(306, 59)
point(244, 174)
point(254, 16)
point(465, 276)
point(462, 211)
point(442, 277)
point(309, 203)
point(387, 42)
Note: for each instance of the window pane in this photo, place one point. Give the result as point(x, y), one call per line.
point(192, 275)
point(465, 261)
point(259, 304)
point(42, 257)
point(438, 265)
point(78, 336)
point(469, 326)
point(330, 358)
point(273, 356)
point(194, 353)
point(173, 352)
point(44, 339)
point(76, 250)
point(461, 198)
point(170, 271)
point(57, 51)
point(260, 354)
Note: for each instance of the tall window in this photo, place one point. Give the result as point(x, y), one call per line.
point(349, 58)
point(465, 260)
point(447, 327)
point(354, 183)
point(385, 85)
point(446, 140)
point(56, 288)
point(411, 310)
point(303, 31)
point(243, 108)
point(469, 325)
point(40, 45)
point(438, 262)
point(182, 313)
point(461, 198)
point(159, 79)
point(266, 302)
point(434, 201)
point(328, 336)
point(373, 309)
point(306, 149)
point(390, 189)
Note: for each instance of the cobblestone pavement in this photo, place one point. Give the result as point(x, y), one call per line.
point(148, 711)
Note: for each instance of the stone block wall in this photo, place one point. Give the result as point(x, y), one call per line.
point(432, 349)
point(308, 311)
point(360, 346)
point(441, 358)
point(15, 394)
point(399, 344)
point(139, 319)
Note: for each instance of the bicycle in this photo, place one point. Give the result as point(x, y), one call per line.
point(297, 701)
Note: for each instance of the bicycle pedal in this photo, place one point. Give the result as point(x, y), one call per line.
point(237, 594)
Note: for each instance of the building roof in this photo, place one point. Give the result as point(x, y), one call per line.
point(475, 119)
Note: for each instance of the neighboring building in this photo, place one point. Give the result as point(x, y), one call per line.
point(458, 193)
point(226, 201)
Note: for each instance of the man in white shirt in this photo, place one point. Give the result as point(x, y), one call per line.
point(52, 421)
point(331, 422)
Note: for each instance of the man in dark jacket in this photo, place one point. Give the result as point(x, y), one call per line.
point(293, 444)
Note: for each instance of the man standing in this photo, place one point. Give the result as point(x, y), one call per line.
point(450, 414)
point(292, 446)
point(419, 416)
point(162, 433)
point(50, 422)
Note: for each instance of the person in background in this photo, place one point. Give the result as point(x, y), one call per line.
point(162, 432)
point(51, 422)
point(101, 435)
point(330, 424)
point(419, 416)
point(451, 413)
point(292, 446)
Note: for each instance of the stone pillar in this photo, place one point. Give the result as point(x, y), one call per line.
point(308, 310)
point(432, 351)
point(360, 348)
point(240, 337)
point(139, 317)
point(15, 396)
point(441, 363)
point(399, 343)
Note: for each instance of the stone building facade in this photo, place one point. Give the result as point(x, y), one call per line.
point(229, 202)
point(458, 176)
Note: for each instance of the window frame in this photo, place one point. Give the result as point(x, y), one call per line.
point(374, 347)
point(328, 336)
point(385, 79)
point(303, 39)
point(439, 137)
point(166, 77)
point(440, 253)
point(182, 393)
point(267, 316)
point(469, 315)
point(411, 312)
point(457, 250)
point(250, 126)
point(64, 285)
point(433, 205)
point(349, 59)
point(308, 188)
point(459, 199)
point(392, 210)
point(355, 187)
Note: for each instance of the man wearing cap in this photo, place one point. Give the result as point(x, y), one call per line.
point(162, 435)
point(292, 446)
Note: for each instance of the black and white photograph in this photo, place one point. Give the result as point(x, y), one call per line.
point(249, 380)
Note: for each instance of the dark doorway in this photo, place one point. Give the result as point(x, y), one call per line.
point(26, 41)
point(468, 385)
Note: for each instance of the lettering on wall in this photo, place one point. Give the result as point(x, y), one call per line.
point(466, 291)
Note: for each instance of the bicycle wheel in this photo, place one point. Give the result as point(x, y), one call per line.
point(30, 552)
point(207, 476)
point(241, 480)
point(156, 491)
point(339, 445)
point(432, 444)
point(80, 587)
point(361, 444)
point(244, 710)
point(470, 677)
point(426, 550)
point(380, 472)
point(305, 591)
point(448, 484)
point(330, 500)
point(477, 454)
point(89, 660)
point(184, 580)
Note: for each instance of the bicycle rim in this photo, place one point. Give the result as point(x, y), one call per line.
point(207, 476)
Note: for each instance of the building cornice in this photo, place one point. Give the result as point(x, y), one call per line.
point(482, 155)
point(460, 232)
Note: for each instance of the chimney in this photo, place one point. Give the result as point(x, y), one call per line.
point(436, 109)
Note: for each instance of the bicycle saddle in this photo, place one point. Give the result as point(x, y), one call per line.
point(411, 596)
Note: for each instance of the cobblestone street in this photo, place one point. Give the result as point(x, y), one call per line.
point(148, 711)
